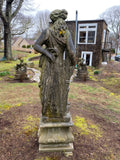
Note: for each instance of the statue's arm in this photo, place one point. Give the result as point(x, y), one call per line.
point(71, 48)
point(38, 45)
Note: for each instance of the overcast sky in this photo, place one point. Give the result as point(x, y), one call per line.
point(87, 9)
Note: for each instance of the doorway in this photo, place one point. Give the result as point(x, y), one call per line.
point(87, 57)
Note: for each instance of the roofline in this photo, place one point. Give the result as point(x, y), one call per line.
point(95, 20)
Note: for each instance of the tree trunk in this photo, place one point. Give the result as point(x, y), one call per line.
point(7, 41)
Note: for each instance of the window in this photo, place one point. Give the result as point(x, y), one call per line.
point(104, 34)
point(91, 36)
point(82, 37)
point(87, 33)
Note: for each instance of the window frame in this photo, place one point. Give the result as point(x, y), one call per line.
point(84, 27)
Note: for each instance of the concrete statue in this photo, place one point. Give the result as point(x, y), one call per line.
point(57, 64)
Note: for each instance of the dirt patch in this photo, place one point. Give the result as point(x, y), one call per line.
point(18, 81)
point(17, 145)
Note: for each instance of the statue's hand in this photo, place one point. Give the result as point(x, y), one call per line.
point(52, 58)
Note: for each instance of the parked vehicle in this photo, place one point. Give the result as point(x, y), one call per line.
point(117, 58)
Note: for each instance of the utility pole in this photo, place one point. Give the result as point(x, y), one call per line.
point(76, 26)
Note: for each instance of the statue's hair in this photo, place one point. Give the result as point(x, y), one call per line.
point(58, 14)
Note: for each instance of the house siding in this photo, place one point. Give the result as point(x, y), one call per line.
point(23, 42)
point(95, 48)
point(18, 43)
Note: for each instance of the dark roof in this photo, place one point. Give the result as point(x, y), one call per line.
point(14, 39)
point(87, 21)
point(31, 42)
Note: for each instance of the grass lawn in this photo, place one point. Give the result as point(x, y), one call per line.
point(95, 109)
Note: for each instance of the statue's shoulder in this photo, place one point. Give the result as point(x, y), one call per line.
point(44, 34)
point(48, 31)
point(68, 34)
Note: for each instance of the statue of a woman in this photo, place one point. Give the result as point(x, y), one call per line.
point(57, 63)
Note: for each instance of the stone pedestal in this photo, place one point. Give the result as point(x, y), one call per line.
point(20, 75)
point(82, 75)
point(55, 136)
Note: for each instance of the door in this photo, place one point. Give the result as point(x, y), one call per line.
point(87, 57)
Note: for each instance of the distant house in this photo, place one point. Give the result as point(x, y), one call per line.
point(19, 43)
point(118, 49)
point(92, 41)
point(1, 44)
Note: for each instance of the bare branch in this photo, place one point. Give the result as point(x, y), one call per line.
point(18, 33)
point(17, 9)
point(112, 17)
point(10, 1)
point(2, 16)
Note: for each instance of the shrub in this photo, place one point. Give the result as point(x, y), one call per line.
point(4, 73)
point(113, 50)
point(23, 46)
point(96, 72)
point(28, 46)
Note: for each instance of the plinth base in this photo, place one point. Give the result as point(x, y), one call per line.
point(55, 136)
point(56, 147)
point(81, 77)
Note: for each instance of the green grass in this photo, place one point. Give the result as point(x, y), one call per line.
point(99, 96)
point(18, 93)
point(15, 54)
point(8, 65)
point(81, 93)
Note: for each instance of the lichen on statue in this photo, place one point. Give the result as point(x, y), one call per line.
point(57, 63)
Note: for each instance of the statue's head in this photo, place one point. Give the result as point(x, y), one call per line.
point(56, 14)
point(63, 14)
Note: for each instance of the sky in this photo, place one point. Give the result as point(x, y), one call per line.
point(87, 9)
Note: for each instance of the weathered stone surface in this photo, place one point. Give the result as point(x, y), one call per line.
point(53, 148)
point(35, 76)
point(55, 135)
point(82, 73)
point(21, 71)
point(56, 124)
point(57, 65)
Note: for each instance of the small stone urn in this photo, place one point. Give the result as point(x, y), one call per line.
point(21, 71)
point(82, 73)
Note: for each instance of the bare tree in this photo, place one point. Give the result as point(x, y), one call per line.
point(14, 22)
point(42, 21)
point(20, 24)
point(1, 32)
point(8, 10)
point(112, 17)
